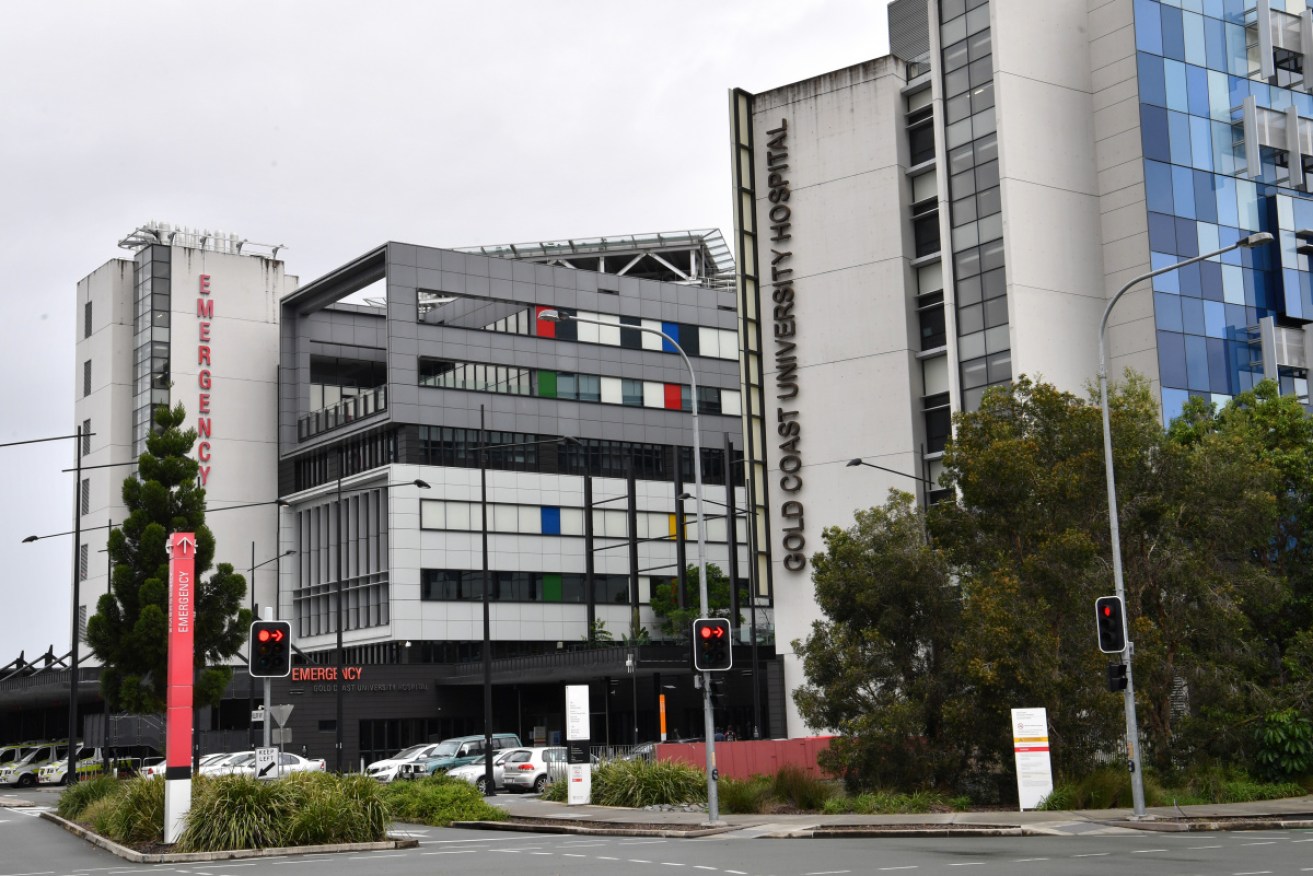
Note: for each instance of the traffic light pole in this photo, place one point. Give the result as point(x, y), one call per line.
point(268, 716)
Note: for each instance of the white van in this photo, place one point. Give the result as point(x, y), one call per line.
point(22, 772)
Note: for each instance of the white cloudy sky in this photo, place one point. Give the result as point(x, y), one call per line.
point(332, 126)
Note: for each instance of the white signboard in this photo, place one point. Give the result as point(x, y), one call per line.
point(581, 785)
point(266, 763)
point(576, 712)
point(1030, 747)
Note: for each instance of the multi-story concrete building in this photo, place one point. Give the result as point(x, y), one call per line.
point(925, 225)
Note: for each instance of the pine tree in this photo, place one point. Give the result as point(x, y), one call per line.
point(128, 633)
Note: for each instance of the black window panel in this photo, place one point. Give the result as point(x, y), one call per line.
point(981, 71)
point(927, 205)
point(86, 320)
point(938, 426)
point(986, 175)
point(994, 283)
point(567, 331)
point(982, 97)
point(933, 332)
point(978, 45)
point(957, 82)
point(955, 56)
point(974, 373)
point(1000, 366)
point(989, 202)
point(991, 255)
point(921, 143)
point(986, 148)
point(916, 117)
point(962, 158)
point(968, 291)
point(963, 184)
point(957, 108)
point(688, 339)
point(950, 9)
point(630, 338)
point(925, 232)
point(964, 211)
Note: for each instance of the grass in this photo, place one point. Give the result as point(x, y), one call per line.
point(1111, 788)
point(894, 803)
point(639, 783)
point(75, 799)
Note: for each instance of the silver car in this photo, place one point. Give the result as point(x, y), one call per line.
point(477, 773)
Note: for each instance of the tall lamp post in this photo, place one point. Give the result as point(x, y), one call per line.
point(708, 721)
point(1128, 695)
point(337, 598)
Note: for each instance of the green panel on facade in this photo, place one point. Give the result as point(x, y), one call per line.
point(547, 384)
point(551, 587)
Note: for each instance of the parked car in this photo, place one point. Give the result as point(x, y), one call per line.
point(390, 768)
point(23, 772)
point(154, 767)
point(476, 773)
point(226, 764)
point(530, 769)
point(91, 763)
point(458, 751)
point(286, 762)
point(11, 753)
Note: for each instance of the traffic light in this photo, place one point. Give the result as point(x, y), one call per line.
point(1116, 677)
point(711, 645)
point(271, 649)
point(1111, 623)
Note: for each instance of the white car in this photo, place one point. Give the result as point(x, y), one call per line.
point(530, 769)
point(23, 772)
point(390, 768)
point(286, 763)
point(224, 764)
point(477, 773)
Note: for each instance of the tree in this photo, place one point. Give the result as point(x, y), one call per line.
point(879, 668)
point(676, 622)
point(128, 633)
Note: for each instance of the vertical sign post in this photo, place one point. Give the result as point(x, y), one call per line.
point(181, 678)
point(1030, 746)
point(663, 717)
point(577, 735)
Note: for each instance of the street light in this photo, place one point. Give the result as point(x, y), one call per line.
point(337, 596)
point(1132, 730)
point(860, 461)
point(708, 721)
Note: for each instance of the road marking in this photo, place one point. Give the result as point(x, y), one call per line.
point(1253, 873)
point(1302, 841)
point(1092, 855)
point(1028, 860)
point(451, 842)
point(640, 861)
point(1202, 847)
point(1268, 843)
point(826, 872)
point(1145, 851)
point(375, 857)
point(908, 867)
point(737, 872)
point(42, 873)
point(606, 858)
point(670, 864)
point(540, 853)
point(452, 852)
point(704, 867)
point(570, 855)
point(968, 864)
point(508, 851)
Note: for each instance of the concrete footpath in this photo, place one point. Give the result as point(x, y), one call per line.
point(530, 813)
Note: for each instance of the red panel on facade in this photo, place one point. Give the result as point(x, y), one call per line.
point(747, 758)
point(546, 328)
point(674, 397)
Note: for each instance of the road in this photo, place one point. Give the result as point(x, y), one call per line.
point(30, 846)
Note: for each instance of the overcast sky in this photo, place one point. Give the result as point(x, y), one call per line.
point(332, 127)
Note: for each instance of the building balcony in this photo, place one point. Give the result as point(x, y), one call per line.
point(348, 410)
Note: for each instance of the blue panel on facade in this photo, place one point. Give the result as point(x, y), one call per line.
point(1196, 363)
point(1173, 33)
point(1187, 240)
point(1153, 87)
point(1173, 401)
point(1171, 360)
point(672, 329)
point(551, 518)
point(1196, 51)
point(1219, 370)
point(1215, 319)
point(1158, 186)
point(1162, 233)
point(1178, 128)
point(1176, 85)
point(1196, 79)
point(1153, 134)
point(1148, 30)
point(1167, 311)
point(1210, 280)
point(1192, 315)
point(1183, 185)
point(1215, 41)
point(1205, 200)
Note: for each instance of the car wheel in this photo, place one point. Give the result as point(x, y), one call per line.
point(481, 785)
point(26, 780)
point(540, 784)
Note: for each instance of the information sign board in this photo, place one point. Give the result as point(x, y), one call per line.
point(1030, 747)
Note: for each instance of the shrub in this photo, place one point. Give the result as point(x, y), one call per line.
point(138, 815)
point(96, 815)
point(887, 803)
point(81, 795)
point(795, 787)
point(1285, 745)
point(438, 800)
point(237, 812)
point(556, 792)
point(334, 809)
point(638, 783)
point(745, 796)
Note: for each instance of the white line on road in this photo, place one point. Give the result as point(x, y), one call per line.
point(1145, 851)
point(450, 842)
point(1302, 841)
point(1253, 873)
point(1268, 843)
point(42, 873)
point(826, 872)
point(704, 867)
point(908, 867)
point(375, 857)
point(1101, 854)
point(737, 872)
point(638, 861)
point(572, 855)
point(670, 864)
point(1191, 848)
point(606, 858)
point(968, 864)
point(452, 852)
point(1028, 860)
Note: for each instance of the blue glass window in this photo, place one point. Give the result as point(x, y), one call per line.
point(1201, 143)
point(1235, 315)
point(1153, 133)
point(1215, 43)
point(1167, 311)
point(1237, 54)
point(1219, 373)
point(1206, 231)
point(1196, 51)
point(1177, 85)
point(1233, 284)
point(672, 329)
point(1148, 30)
point(1183, 191)
point(1196, 82)
point(1173, 403)
point(1214, 8)
point(1210, 279)
point(1178, 132)
point(1158, 185)
point(551, 520)
point(1189, 279)
point(1173, 33)
point(1168, 282)
point(1153, 89)
point(1196, 363)
point(1162, 233)
point(1171, 359)
point(1192, 315)
point(1226, 203)
point(1215, 319)
point(1187, 240)
point(1235, 10)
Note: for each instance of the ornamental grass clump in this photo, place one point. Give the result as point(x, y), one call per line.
point(638, 783)
point(237, 812)
point(438, 800)
point(77, 798)
point(138, 816)
point(329, 809)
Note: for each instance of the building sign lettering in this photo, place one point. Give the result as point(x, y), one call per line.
point(204, 378)
point(788, 427)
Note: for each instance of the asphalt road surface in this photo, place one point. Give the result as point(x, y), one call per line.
point(30, 846)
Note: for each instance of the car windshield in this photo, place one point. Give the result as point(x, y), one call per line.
point(408, 753)
point(446, 749)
